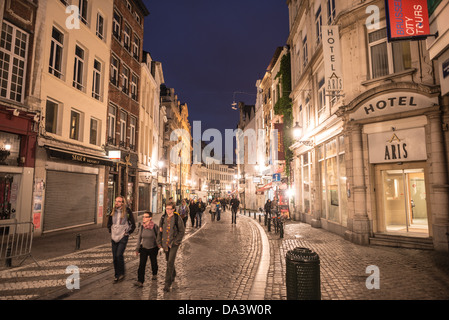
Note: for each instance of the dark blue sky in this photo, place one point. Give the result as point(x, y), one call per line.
point(210, 49)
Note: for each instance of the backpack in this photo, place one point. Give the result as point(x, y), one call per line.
point(163, 220)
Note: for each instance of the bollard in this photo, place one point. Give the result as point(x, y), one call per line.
point(269, 224)
point(8, 261)
point(260, 217)
point(303, 275)
point(78, 242)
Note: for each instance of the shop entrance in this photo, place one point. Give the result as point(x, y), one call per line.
point(402, 196)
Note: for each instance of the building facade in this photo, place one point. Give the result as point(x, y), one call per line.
point(148, 148)
point(123, 105)
point(19, 109)
point(371, 162)
point(70, 73)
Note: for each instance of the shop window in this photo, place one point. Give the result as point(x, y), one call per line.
point(331, 160)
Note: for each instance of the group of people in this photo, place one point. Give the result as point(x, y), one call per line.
point(151, 237)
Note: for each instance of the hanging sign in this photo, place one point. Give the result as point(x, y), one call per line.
point(332, 59)
point(407, 19)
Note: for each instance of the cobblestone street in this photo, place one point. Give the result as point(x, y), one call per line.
point(221, 260)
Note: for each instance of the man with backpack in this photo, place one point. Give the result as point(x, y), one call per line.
point(169, 238)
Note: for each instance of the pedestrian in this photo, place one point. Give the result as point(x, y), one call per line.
point(268, 209)
point(184, 211)
point(218, 210)
point(169, 238)
point(192, 208)
point(235, 203)
point(147, 247)
point(121, 224)
point(213, 209)
point(200, 208)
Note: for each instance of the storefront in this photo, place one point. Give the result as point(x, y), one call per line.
point(17, 156)
point(69, 188)
point(397, 186)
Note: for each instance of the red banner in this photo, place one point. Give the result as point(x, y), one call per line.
point(407, 19)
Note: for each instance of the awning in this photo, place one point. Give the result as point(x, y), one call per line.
point(265, 187)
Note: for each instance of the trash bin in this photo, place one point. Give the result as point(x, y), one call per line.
point(303, 275)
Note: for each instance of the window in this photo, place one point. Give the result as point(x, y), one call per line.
point(127, 37)
point(125, 80)
point(132, 133)
point(116, 25)
point(96, 82)
point(318, 25)
point(321, 101)
point(305, 51)
point(137, 17)
point(112, 116)
point(78, 68)
point(51, 117)
point(83, 11)
point(114, 71)
point(13, 56)
point(123, 118)
point(331, 159)
point(56, 50)
point(330, 11)
point(134, 84)
point(75, 122)
point(94, 132)
point(387, 58)
point(136, 47)
point(100, 26)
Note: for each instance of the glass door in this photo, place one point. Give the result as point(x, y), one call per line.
point(405, 204)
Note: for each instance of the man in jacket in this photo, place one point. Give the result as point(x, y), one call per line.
point(200, 208)
point(235, 203)
point(169, 238)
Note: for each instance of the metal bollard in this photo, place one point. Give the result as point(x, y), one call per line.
point(8, 261)
point(78, 242)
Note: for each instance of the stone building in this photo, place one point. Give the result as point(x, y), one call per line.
point(371, 161)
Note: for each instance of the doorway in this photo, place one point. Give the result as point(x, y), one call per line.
point(403, 199)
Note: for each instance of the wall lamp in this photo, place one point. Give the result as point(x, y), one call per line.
point(297, 133)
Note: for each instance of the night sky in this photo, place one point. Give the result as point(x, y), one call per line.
point(209, 49)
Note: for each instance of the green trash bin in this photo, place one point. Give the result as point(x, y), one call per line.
point(303, 275)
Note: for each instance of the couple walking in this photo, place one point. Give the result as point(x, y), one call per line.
point(168, 236)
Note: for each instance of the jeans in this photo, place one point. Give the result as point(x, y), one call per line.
point(199, 216)
point(118, 249)
point(218, 214)
point(144, 254)
point(170, 257)
point(234, 215)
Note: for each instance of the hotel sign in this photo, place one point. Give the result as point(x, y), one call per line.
point(390, 103)
point(407, 19)
point(397, 146)
point(332, 59)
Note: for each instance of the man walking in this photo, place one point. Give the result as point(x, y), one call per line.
point(169, 238)
point(200, 208)
point(235, 203)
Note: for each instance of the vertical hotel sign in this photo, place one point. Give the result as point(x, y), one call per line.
point(332, 59)
point(407, 19)
point(279, 127)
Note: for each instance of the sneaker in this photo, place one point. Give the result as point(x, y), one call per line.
point(120, 277)
point(138, 284)
point(115, 280)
